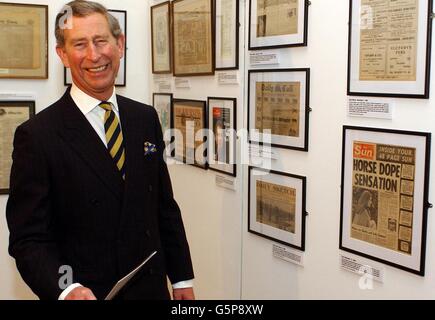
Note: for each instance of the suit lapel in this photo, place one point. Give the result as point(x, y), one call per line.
point(83, 139)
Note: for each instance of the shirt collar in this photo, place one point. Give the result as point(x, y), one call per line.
point(86, 103)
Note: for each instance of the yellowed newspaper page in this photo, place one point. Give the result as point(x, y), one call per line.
point(20, 39)
point(10, 119)
point(277, 17)
point(382, 195)
point(388, 40)
point(276, 205)
point(278, 107)
point(192, 37)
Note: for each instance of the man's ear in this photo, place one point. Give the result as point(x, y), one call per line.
point(62, 55)
point(120, 42)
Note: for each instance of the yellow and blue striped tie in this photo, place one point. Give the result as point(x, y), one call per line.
point(114, 139)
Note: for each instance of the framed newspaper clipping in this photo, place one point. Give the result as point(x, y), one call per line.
point(121, 78)
point(12, 114)
point(277, 24)
point(384, 195)
point(161, 38)
point(222, 136)
point(389, 48)
point(162, 102)
point(23, 41)
point(189, 124)
point(193, 37)
point(278, 107)
point(227, 34)
point(276, 206)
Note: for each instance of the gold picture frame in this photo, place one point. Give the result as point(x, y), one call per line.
point(23, 41)
point(193, 37)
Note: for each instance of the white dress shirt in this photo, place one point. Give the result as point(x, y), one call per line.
point(89, 106)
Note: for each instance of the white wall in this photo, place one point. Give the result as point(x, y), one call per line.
point(229, 262)
point(265, 277)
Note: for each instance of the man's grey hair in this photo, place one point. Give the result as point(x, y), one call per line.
point(82, 8)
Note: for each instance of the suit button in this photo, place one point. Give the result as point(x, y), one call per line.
point(95, 202)
point(150, 188)
point(148, 233)
point(151, 271)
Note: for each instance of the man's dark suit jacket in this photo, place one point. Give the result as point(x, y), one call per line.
point(69, 205)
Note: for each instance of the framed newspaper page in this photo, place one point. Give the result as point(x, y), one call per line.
point(276, 206)
point(227, 34)
point(389, 48)
point(189, 129)
point(12, 114)
point(278, 107)
point(277, 24)
point(161, 38)
point(162, 102)
point(384, 195)
point(222, 135)
point(121, 78)
point(23, 41)
point(193, 37)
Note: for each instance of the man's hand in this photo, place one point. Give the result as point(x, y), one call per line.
point(183, 294)
point(80, 293)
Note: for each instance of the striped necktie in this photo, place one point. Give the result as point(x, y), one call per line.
point(114, 139)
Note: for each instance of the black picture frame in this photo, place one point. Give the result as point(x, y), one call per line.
point(233, 63)
point(278, 40)
point(5, 156)
point(385, 66)
point(384, 195)
point(287, 232)
point(297, 119)
point(121, 79)
point(201, 107)
point(214, 104)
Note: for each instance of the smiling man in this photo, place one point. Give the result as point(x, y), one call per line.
point(85, 196)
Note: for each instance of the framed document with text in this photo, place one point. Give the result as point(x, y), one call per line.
point(162, 102)
point(161, 38)
point(389, 48)
point(189, 124)
point(23, 41)
point(278, 107)
point(276, 206)
point(277, 24)
point(121, 78)
point(222, 138)
point(12, 114)
point(193, 37)
point(384, 195)
point(227, 34)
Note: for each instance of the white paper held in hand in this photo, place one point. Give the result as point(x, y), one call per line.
point(121, 283)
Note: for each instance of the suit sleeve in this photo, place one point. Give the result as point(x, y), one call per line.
point(29, 217)
point(173, 236)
